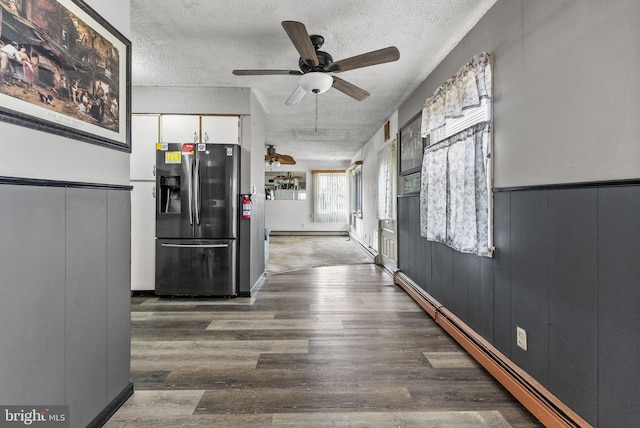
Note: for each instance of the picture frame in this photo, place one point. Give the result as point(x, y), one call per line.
point(70, 72)
point(411, 183)
point(411, 146)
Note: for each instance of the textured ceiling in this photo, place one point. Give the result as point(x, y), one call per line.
point(199, 43)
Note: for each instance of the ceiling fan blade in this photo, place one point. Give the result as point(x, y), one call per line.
point(296, 96)
point(367, 59)
point(265, 72)
point(286, 160)
point(297, 32)
point(350, 89)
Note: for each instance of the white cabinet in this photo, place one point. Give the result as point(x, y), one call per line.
point(220, 129)
point(180, 128)
point(143, 235)
point(177, 128)
point(145, 130)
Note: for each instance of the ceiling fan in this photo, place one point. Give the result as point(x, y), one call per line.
point(277, 159)
point(315, 65)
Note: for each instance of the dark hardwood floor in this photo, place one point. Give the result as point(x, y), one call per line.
point(322, 347)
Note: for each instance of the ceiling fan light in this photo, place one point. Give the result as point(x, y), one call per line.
point(316, 82)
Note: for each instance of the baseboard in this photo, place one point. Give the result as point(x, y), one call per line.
point(538, 400)
point(369, 252)
point(112, 407)
point(256, 286)
point(308, 233)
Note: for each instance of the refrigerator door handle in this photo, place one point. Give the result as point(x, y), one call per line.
point(189, 175)
point(196, 190)
point(195, 245)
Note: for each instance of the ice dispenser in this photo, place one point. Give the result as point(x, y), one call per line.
point(170, 201)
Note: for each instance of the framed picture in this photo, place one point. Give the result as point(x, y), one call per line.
point(411, 146)
point(65, 70)
point(411, 183)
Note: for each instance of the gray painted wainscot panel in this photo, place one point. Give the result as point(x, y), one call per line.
point(529, 281)
point(502, 273)
point(573, 308)
point(86, 306)
point(118, 291)
point(32, 283)
point(618, 306)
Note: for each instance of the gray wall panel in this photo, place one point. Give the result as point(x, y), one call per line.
point(502, 272)
point(428, 266)
point(529, 281)
point(413, 236)
point(118, 291)
point(618, 303)
point(486, 299)
point(86, 304)
point(459, 303)
point(436, 271)
point(447, 275)
point(573, 307)
point(257, 238)
point(421, 260)
point(32, 281)
point(474, 298)
point(403, 234)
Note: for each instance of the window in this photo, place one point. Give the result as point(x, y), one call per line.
point(455, 191)
point(329, 196)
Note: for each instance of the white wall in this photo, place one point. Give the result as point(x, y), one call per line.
point(366, 228)
point(297, 216)
point(562, 71)
point(28, 153)
point(257, 138)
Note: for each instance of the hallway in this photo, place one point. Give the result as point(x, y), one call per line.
point(326, 346)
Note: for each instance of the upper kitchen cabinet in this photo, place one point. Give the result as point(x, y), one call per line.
point(199, 129)
point(145, 130)
point(180, 128)
point(221, 129)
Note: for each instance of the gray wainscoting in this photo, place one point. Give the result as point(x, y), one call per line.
point(566, 269)
point(64, 311)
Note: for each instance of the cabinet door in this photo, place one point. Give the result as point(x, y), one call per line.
point(220, 129)
point(144, 136)
point(179, 128)
point(143, 235)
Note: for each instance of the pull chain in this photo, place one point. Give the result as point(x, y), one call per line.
point(316, 113)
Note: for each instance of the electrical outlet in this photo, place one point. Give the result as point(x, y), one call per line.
point(521, 338)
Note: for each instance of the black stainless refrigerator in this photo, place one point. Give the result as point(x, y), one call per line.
point(196, 219)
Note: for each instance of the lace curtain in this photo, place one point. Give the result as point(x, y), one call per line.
point(386, 172)
point(456, 177)
point(454, 198)
point(466, 89)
